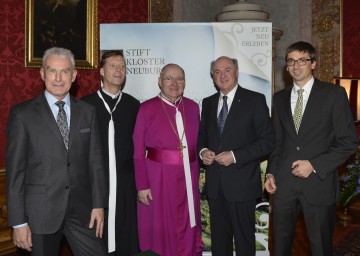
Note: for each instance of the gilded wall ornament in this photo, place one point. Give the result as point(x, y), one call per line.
point(160, 10)
point(325, 23)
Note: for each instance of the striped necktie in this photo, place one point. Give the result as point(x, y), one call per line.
point(222, 116)
point(298, 110)
point(62, 123)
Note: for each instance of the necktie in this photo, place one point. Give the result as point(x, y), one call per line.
point(222, 115)
point(62, 123)
point(298, 110)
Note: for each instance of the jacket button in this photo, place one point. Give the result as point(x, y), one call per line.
point(67, 187)
point(297, 148)
point(68, 164)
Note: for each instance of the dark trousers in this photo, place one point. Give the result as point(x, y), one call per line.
point(232, 221)
point(82, 240)
point(319, 221)
point(126, 234)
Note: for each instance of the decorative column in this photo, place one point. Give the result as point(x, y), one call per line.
point(244, 12)
point(326, 38)
point(160, 10)
point(276, 34)
point(248, 12)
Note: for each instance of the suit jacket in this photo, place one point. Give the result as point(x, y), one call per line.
point(42, 176)
point(248, 133)
point(326, 138)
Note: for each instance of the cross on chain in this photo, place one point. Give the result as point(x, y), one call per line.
point(181, 147)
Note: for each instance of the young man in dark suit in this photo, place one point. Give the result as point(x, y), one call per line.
point(117, 113)
point(55, 177)
point(235, 133)
point(315, 133)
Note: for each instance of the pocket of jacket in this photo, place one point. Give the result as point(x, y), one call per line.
point(85, 130)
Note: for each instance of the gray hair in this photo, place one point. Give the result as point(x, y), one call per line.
point(234, 61)
point(59, 51)
point(171, 65)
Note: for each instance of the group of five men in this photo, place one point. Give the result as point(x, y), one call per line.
point(59, 146)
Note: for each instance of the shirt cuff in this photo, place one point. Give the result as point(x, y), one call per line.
point(267, 175)
point(20, 225)
point(233, 156)
point(201, 152)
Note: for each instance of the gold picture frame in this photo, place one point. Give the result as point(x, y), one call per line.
point(71, 24)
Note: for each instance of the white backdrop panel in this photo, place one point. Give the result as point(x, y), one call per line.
point(148, 47)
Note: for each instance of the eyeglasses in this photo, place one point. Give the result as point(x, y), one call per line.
point(170, 79)
point(300, 62)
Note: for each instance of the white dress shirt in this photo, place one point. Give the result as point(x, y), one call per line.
point(294, 95)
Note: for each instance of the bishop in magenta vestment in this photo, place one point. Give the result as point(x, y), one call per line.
point(164, 225)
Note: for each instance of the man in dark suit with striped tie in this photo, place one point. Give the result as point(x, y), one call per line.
point(235, 133)
point(315, 133)
point(55, 177)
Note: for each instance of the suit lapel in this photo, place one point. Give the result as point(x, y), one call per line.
point(213, 113)
point(311, 106)
point(74, 122)
point(43, 108)
point(234, 109)
point(233, 113)
point(287, 113)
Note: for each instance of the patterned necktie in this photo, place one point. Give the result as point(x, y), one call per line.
point(222, 115)
point(62, 123)
point(298, 110)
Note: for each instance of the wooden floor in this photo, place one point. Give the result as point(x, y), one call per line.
point(301, 245)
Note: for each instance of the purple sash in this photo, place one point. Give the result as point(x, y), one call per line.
point(168, 156)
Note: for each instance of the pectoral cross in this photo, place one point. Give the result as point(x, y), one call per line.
point(181, 147)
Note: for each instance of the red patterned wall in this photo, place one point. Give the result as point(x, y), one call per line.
point(351, 38)
point(18, 83)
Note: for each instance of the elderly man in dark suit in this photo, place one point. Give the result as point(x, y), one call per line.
point(235, 133)
point(55, 176)
point(315, 133)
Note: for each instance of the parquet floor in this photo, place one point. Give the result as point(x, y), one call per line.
point(301, 245)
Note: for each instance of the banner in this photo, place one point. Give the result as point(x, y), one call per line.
point(147, 47)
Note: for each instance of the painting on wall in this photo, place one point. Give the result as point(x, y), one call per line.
point(70, 24)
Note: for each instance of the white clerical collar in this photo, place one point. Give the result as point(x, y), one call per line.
point(113, 96)
point(166, 100)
